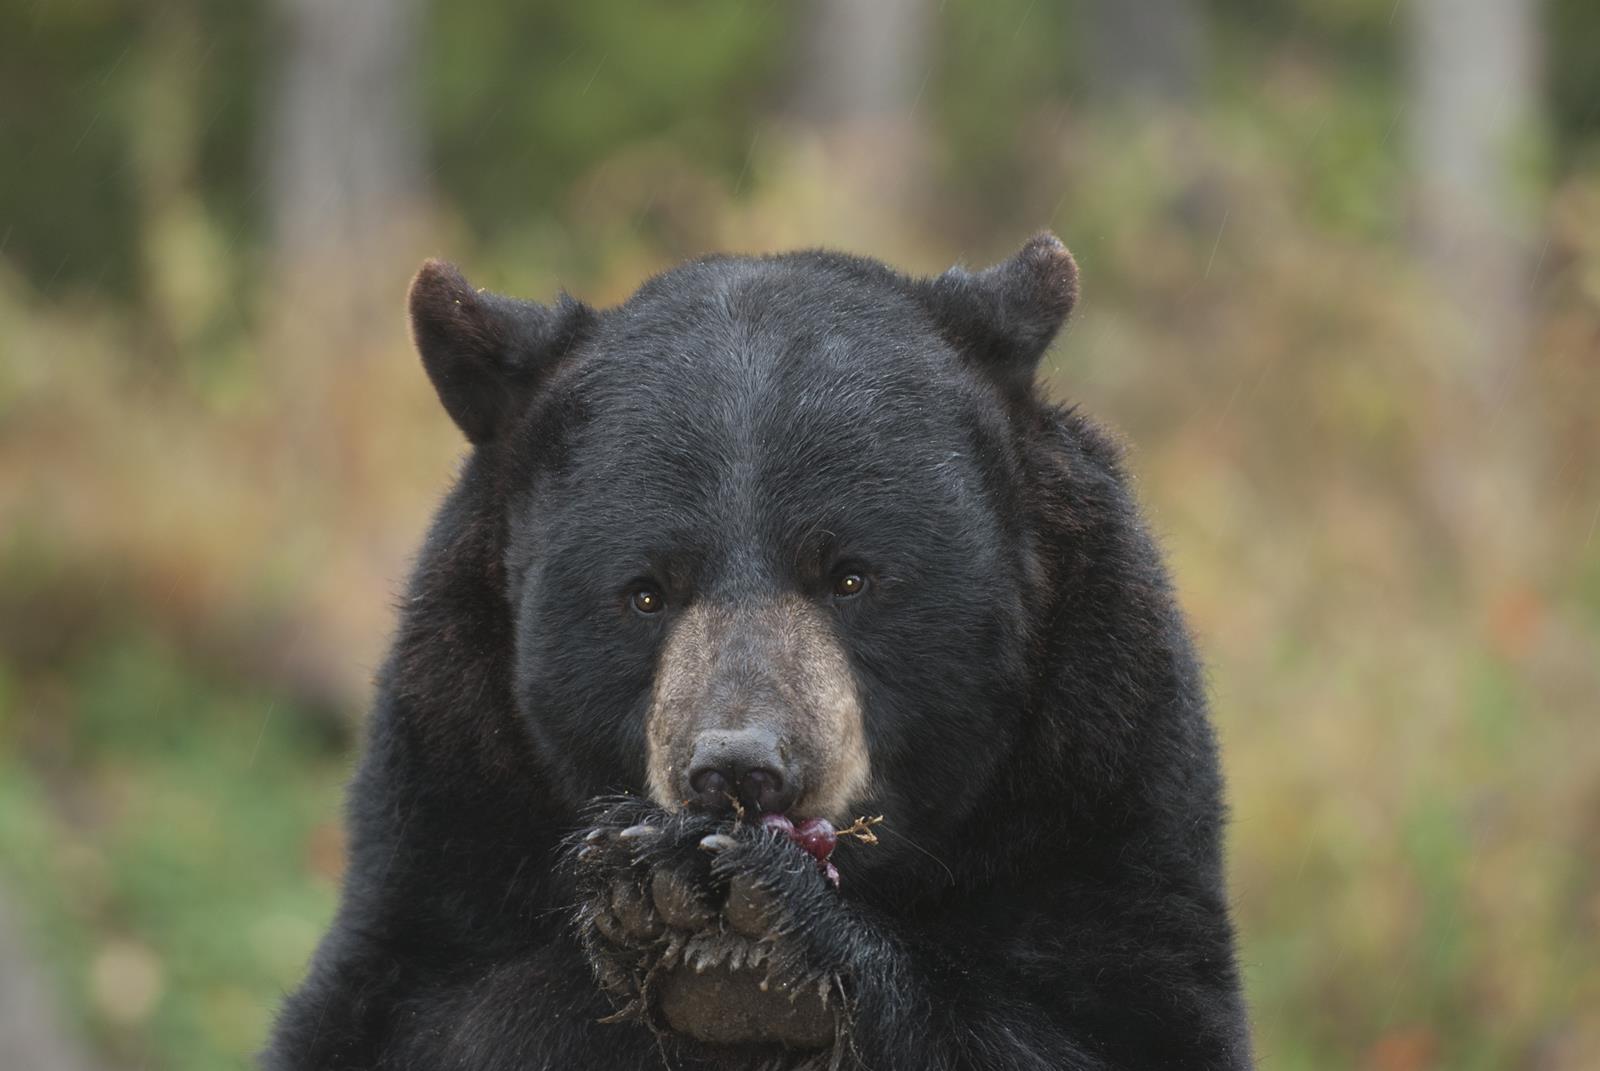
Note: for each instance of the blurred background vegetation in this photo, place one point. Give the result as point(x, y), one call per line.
point(1342, 297)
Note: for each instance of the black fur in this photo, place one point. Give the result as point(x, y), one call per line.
point(1048, 890)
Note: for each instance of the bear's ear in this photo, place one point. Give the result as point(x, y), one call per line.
point(1004, 317)
point(486, 354)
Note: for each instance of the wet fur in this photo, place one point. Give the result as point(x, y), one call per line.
point(1048, 891)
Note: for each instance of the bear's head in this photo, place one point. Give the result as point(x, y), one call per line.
point(765, 535)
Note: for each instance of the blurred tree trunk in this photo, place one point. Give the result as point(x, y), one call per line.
point(345, 160)
point(863, 58)
point(859, 78)
point(1146, 66)
point(1475, 105)
point(344, 169)
point(31, 1034)
point(1475, 115)
point(1151, 53)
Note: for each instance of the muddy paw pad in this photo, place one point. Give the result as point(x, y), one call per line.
point(634, 912)
point(730, 1007)
point(677, 902)
point(751, 910)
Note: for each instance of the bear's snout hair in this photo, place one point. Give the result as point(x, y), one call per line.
point(756, 703)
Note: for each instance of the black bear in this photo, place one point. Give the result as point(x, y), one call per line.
point(784, 539)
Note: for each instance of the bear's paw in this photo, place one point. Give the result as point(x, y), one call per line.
point(701, 928)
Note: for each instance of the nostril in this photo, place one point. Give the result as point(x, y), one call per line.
point(709, 785)
point(764, 791)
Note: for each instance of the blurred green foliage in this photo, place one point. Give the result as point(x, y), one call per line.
point(521, 100)
point(162, 836)
point(694, 75)
point(210, 485)
point(81, 86)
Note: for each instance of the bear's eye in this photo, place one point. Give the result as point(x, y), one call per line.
point(849, 586)
point(647, 601)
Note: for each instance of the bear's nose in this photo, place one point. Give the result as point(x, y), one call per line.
point(744, 765)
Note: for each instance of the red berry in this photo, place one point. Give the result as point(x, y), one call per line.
point(816, 836)
point(778, 824)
